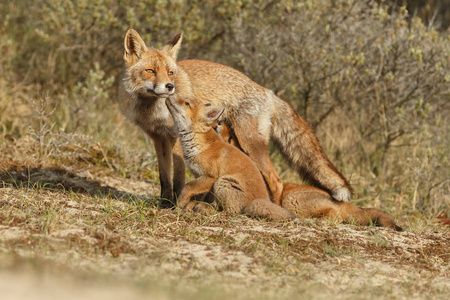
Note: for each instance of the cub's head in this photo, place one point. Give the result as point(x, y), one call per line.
point(150, 72)
point(193, 115)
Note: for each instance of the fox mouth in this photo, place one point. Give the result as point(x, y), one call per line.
point(161, 95)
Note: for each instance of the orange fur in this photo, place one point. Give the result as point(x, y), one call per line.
point(307, 202)
point(221, 170)
point(255, 113)
point(311, 202)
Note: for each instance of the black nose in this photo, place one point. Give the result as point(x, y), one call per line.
point(169, 86)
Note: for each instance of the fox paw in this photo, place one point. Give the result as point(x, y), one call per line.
point(204, 208)
point(342, 194)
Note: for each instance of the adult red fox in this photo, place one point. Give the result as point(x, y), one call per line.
point(254, 112)
point(232, 178)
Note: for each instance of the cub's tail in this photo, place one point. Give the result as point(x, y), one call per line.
point(307, 202)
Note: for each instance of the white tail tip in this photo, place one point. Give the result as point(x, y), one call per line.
point(342, 194)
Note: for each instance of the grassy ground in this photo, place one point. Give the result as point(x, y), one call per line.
point(95, 233)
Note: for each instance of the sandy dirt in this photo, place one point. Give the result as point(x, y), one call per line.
point(100, 240)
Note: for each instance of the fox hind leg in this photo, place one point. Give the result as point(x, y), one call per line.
point(254, 144)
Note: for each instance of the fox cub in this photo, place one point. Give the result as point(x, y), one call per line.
point(309, 202)
point(220, 168)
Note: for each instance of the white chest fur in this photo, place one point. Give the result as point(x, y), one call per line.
point(152, 116)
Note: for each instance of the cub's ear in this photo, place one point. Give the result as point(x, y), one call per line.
point(134, 47)
point(212, 114)
point(173, 46)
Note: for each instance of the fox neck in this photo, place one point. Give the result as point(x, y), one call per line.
point(195, 146)
point(188, 143)
point(195, 143)
point(151, 114)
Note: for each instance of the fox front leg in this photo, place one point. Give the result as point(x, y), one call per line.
point(163, 148)
point(195, 187)
point(179, 175)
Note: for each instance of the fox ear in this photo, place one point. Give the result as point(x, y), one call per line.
point(173, 46)
point(212, 114)
point(134, 47)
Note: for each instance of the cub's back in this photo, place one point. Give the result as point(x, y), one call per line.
point(238, 165)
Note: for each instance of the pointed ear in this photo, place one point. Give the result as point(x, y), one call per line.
point(134, 47)
point(172, 47)
point(212, 114)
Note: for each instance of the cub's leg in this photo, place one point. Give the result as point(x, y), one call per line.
point(267, 209)
point(233, 198)
point(229, 194)
point(192, 188)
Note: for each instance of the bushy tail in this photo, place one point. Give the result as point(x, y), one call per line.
point(298, 144)
point(267, 209)
point(366, 216)
point(307, 202)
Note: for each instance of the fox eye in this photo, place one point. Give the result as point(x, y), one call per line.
point(151, 71)
point(170, 73)
point(187, 104)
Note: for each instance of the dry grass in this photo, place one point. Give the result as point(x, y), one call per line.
point(94, 235)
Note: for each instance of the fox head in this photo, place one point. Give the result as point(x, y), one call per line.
point(150, 72)
point(193, 115)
